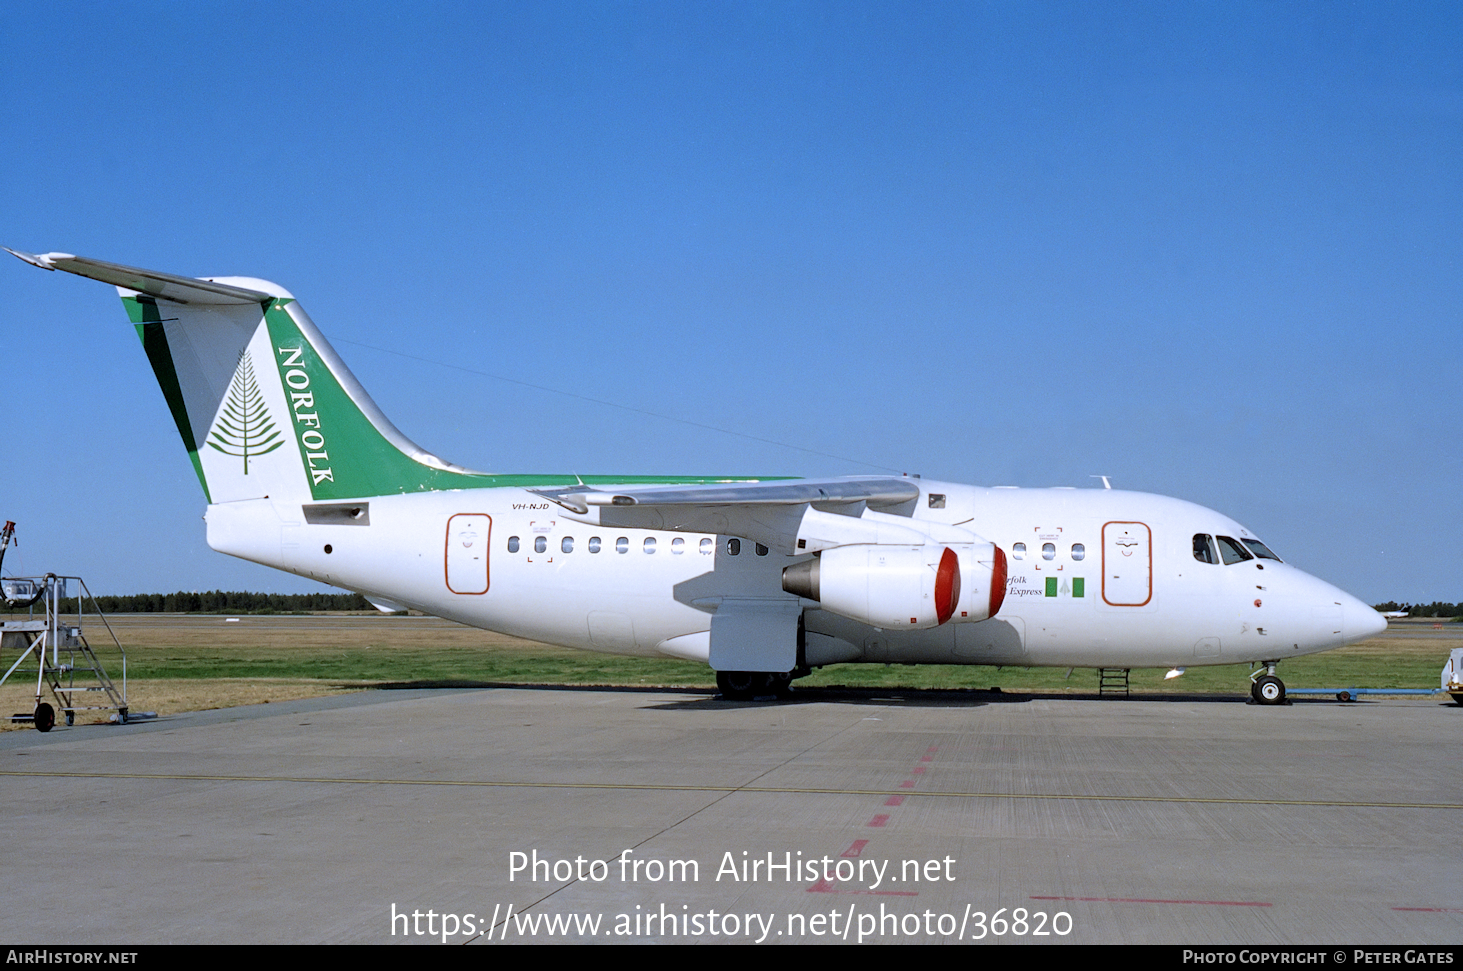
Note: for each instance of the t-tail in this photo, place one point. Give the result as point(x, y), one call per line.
point(264, 405)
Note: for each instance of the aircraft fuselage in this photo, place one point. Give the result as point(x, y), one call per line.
point(1096, 577)
point(304, 473)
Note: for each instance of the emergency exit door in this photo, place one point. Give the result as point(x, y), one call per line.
point(1127, 564)
point(467, 552)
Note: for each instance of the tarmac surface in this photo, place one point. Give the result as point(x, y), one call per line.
point(889, 817)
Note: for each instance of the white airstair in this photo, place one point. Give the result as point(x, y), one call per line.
point(1112, 681)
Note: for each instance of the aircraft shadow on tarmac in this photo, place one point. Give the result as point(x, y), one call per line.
point(699, 699)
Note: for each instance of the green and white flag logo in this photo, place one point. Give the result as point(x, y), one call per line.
point(244, 427)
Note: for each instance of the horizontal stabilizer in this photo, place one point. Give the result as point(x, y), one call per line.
point(164, 286)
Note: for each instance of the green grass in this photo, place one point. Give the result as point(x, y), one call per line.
point(482, 657)
point(383, 663)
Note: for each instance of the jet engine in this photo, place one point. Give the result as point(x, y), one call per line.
point(904, 587)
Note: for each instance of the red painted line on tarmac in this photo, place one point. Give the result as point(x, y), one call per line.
point(879, 820)
point(823, 886)
point(907, 784)
point(933, 748)
point(856, 848)
point(917, 770)
point(1143, 900)
point(927, 758)
point(1431, 910)
point(894, 801)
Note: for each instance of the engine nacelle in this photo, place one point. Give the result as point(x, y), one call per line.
point(982, 582)
point(904, 587)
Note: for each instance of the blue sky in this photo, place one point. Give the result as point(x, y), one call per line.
point(1209, 250)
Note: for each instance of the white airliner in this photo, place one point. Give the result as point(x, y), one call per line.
point(762, 579)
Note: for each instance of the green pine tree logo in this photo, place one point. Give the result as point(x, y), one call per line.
point(244, 427)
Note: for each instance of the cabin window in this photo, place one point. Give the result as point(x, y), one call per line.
point(761, 550)
point(1048, 551)
point(1261, 550)
point(937, 500)
point(1018, 552)
point(1204, 548)
point(1231, 551)
point(706, 546)
point(594, 544)
point(512, 544)
point(622, 545)
point(650, 544)
point(567, 544)
point(1079, 552)
point(678, 546)
point(733, 546)
point(540, 543)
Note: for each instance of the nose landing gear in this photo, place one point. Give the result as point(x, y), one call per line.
point(1266, 689)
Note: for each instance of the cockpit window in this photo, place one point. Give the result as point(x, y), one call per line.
point(1230, 551)
point(1204, 548)
point(1261, 550)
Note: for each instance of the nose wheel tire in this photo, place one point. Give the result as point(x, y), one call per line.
point(1268, 690)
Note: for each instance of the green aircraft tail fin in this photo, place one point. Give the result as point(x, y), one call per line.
point(264, 405)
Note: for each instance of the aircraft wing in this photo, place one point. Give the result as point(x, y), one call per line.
point(770, 513)
point(877, 490)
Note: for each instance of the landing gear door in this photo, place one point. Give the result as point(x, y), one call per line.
point(467, 552)
point(1127, 564)
point(755, 635)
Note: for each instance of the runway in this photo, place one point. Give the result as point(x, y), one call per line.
point(870, 817)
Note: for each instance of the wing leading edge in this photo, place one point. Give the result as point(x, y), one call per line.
point(876, 490)
point(771, 513)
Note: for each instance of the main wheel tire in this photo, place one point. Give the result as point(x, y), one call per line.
point(45, 717)
point(1270, 690)
point(738, 685)
point(780, 684)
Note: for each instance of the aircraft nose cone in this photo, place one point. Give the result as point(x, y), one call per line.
point(1359, 621)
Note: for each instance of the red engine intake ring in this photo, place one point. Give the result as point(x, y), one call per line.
point(998, 582)
point(947, 585)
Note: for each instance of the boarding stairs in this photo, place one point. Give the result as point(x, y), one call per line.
point(1112, 681)
point(66, 664)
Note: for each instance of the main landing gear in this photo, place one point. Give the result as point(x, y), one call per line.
point(1266, 689)
point(747, 685)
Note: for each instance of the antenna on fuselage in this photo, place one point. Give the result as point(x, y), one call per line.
point(1105, 484)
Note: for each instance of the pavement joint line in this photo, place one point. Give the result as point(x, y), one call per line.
point(665, 787)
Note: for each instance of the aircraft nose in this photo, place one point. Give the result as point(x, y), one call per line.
point(1359, 621)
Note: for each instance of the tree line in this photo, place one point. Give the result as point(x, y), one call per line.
point(244, 602)
point(222, 602)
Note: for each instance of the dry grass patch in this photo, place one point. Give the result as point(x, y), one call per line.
point(171, 697)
